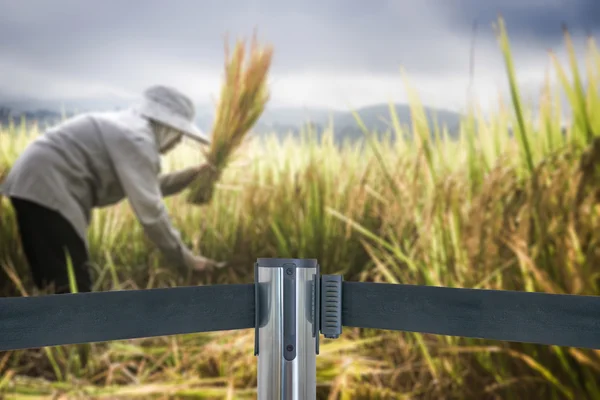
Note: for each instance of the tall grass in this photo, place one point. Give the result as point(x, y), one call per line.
point(489, 210)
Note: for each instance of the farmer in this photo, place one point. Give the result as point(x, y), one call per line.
point(95, 160)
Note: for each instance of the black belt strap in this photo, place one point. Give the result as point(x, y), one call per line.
point(549, 319)
point(31, 322)
point(563, 320)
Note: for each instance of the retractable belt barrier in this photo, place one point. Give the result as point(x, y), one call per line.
point(289, 306)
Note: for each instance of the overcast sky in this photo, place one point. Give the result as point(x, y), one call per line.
point(334, 53)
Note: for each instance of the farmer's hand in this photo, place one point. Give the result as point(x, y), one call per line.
point(206, 179)
point(201, 263)
point(205, 166)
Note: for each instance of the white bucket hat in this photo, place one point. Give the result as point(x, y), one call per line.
point(172, 108)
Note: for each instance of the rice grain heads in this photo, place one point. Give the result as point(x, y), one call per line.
point(244, 95)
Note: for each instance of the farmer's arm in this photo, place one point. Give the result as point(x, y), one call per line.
point(138, 172)
point(175, 182)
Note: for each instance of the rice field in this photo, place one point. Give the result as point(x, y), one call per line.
point(489, 210)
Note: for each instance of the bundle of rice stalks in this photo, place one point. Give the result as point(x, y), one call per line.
point(244, 95)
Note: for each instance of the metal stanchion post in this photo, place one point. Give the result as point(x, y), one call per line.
point(287, 328)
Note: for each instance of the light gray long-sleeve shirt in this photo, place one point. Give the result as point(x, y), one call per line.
point(95, 160)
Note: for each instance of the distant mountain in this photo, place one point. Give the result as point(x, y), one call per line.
point(377, 118)
point(280, 121)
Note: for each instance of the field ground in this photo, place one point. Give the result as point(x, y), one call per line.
point(486, 211)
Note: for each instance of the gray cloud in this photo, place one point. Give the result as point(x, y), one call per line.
point(537, 21)
point(125, 45)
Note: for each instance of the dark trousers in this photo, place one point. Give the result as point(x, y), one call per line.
point(46, 237)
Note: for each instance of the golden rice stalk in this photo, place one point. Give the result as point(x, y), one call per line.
point(244, 95)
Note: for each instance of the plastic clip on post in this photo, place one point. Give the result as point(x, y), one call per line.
point(331, 306)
